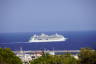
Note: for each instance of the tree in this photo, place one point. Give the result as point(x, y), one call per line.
point(56, 59)
point(87, 56)
point(8, 57)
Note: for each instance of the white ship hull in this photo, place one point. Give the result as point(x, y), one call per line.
point(58, 40)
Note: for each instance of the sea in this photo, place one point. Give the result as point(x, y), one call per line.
point(76, 40)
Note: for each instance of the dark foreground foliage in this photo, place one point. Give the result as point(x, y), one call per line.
point(8, 57)
point(86, 56)
point(58, 59)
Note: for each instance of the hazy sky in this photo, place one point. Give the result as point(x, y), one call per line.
point(47, 15)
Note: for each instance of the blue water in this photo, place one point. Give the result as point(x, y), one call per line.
point(76, 40)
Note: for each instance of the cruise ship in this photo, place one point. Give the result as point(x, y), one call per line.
point(47, 38)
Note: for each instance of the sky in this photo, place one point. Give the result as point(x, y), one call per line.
point(47, 15)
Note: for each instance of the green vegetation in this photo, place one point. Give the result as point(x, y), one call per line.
point(86, 56)
point(57, 59)
point(8, 57)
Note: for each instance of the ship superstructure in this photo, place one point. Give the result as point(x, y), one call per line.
point(47, 38)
